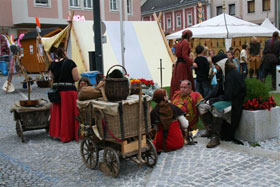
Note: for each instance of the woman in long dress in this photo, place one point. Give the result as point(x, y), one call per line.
point(183, 66)
point(64, 74)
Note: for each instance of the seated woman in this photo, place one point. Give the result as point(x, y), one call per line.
point(165, 118)
point(83, 82)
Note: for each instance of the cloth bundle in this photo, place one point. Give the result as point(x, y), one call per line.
point(89, 92)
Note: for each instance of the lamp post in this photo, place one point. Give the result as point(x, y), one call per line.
point(122, 33)
point(97, 35)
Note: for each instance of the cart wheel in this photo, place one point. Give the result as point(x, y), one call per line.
point(112, 161)
point(89, 152)
point(19, 130)
point(150, 155)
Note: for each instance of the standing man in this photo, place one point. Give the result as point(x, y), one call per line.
point(254, 51)
point(244, 60)
point(271, 58)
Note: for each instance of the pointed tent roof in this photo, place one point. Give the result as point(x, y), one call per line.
point(267, 24)
point(141, 58)
point(224, 26)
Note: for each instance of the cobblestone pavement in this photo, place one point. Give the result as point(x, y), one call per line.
point(43, 161)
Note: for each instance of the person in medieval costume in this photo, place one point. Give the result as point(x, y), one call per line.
point(183, 67)
point(225, 107)
point(168, 120)
point(186, 99)
point(64, 73)
point(271, 54)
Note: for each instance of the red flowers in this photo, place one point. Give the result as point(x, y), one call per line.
point(259, 104)
point(148, 83)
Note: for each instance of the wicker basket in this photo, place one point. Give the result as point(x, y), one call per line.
point(130, 122)
point(116, 89)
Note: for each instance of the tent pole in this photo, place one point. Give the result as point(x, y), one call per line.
point(69, 31)
point(79, 47)
point(122, 34)
point(157, 19)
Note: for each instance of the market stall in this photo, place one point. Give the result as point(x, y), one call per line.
point(223, 31)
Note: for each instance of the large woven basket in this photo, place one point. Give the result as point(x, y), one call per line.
point(130, 123)
point(116, 89)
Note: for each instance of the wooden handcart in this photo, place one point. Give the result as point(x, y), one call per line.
point(31, 118)
point(114, 128)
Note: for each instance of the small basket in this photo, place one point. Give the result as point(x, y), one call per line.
point(43, 83)
point(116, 89)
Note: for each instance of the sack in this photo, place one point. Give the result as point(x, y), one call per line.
point(54, 95)
point(89, 92)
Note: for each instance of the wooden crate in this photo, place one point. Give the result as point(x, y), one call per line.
point(132, 146)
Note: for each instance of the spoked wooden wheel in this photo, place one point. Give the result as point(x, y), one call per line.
point(89, 152)
point(150, 155)
point(19, 130)
point(112, 161)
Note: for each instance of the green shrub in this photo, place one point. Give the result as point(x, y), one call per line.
point(255, 89)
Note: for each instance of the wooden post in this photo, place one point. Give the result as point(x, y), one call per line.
point(79, 47)
point(140, 126)
point(71, 14)
point(157, 19)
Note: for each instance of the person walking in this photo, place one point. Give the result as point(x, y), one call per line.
point(64, 74)
point(183, 67)
point(254, 51)
point(244, 60)
point(271, 58)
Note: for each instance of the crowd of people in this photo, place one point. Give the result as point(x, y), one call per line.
point(215, 95)
point(219, 89)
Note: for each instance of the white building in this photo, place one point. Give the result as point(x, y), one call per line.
point(250, 10)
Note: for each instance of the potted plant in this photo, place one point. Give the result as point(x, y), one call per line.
point(260, 117)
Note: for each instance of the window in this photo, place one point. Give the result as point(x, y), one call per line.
point(251, 6)
point(266, 5)
point(87, 3)
point(41, 2)
point(114, 5)
point(168, 23)
point(190, 19)
point(129, 7)
point(231, 9)
point(178, 20)
point(219, 10)
point(74, 3)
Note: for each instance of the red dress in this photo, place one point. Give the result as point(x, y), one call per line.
point(174, 138)
point(63, 124)
point(183, 67)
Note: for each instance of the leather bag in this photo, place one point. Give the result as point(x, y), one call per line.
point(53, 95)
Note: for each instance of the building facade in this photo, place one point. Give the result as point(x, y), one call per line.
point(18, 16)
point(176, 14)
point(254, 11)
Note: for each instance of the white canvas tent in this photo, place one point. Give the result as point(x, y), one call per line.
point(224, 26)
point(144, 47)
point(267, 24)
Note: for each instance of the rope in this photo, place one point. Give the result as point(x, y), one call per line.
point(110, 132)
